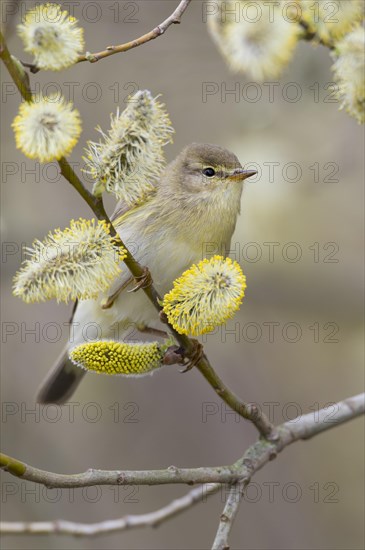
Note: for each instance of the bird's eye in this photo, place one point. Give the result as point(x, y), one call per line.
point(209, 172)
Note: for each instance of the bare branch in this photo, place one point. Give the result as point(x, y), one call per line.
point(173, 19)
point(228, 516)
point(249, 411)
point(151, 519)
point(171, 475)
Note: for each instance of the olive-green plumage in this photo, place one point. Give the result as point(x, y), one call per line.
point(194, 208)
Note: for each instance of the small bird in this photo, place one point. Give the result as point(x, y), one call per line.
point(195, 204)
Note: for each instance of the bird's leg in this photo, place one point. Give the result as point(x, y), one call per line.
point(163, 317)
point(150, 330)
point(109, 301)
point(143, 281)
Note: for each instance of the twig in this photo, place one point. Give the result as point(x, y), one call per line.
point(171, 475)
point(151, 519)
point(173, 19)
point(228, 516)
point(21, 79)
point(247, 411)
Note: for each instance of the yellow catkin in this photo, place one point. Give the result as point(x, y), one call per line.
point(52, 36)
point(256, 38)
point(349, 71)
point(47, 128)
point(130, 158)
point(78, 262)
point(205, 296)
point(112, 358)
point(331, 20)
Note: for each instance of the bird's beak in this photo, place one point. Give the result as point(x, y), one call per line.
point(240, 174)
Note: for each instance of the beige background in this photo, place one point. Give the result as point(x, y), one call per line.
point(325, 475)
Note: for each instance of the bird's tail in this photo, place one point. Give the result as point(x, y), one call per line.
point(61, 382)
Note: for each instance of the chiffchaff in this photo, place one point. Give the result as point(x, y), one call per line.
point(196, 203)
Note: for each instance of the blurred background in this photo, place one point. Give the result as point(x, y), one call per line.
point(295, 346)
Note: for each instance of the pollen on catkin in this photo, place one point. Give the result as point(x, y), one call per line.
point(349, 71)
point(47, 128)
point(259, 43)
point(52, 36)
point(130, 158)
point(205, 296)
point(109, 357)
point(331, 20)
point(76, 263)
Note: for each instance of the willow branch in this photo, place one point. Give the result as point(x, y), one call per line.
point(151, 519)
point(254, 459)
point(173, 19)
point(247, 411)
point(20, 78)
point(171, 475)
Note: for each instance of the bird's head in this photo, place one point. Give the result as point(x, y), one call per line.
point(205, 168)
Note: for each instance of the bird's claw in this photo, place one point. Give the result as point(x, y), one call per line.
point(143, 281)
point(176, 355)
point(194, 357)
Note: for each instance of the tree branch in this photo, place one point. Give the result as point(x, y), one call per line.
point(171, 475)
point(247, 411)
point(238, 475)
point(20, 78)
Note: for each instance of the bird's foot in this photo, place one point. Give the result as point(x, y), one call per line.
point(143, 281)
point(195, 356)
point(176, 355)
point(149, 330)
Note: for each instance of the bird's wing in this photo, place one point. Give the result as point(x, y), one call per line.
point(125, 278)
point(121, 208)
